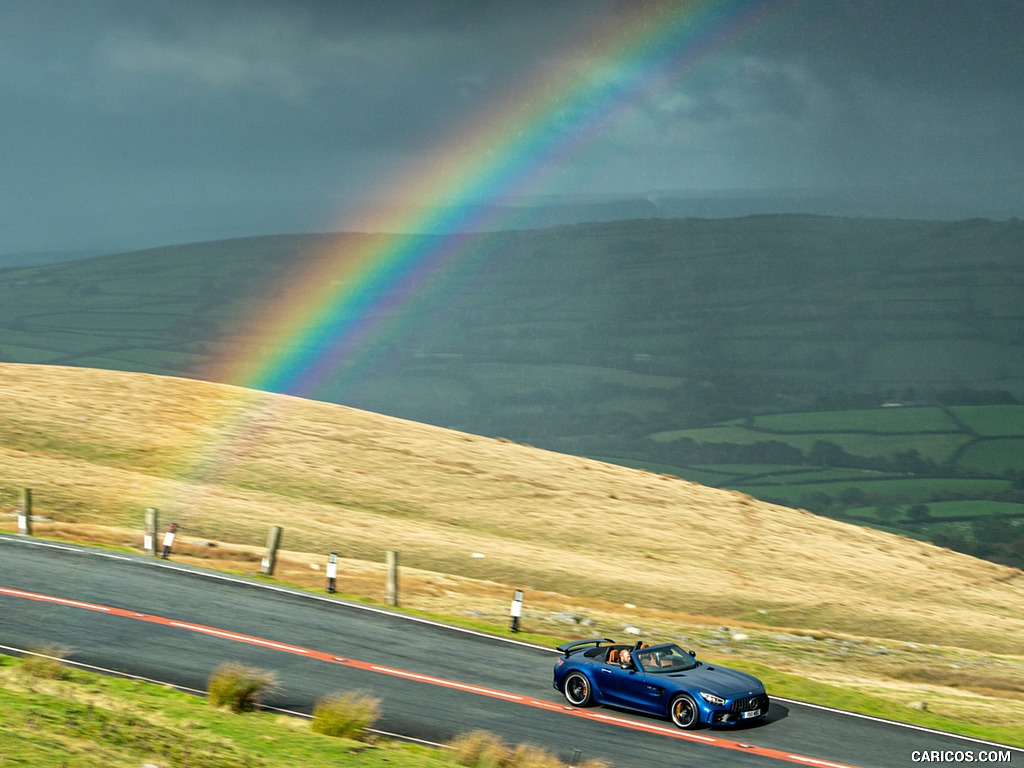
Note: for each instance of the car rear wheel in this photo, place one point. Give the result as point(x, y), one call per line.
point(576, 688)
point(684, 712)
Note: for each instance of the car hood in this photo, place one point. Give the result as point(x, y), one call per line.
point(718, 680)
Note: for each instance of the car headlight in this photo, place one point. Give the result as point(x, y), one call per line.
point(710, 698)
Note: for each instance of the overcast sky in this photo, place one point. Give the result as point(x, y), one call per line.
point(130, 124)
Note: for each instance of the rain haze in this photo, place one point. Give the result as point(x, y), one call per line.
point(129, 125)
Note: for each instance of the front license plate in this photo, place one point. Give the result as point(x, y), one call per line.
point(752, 713)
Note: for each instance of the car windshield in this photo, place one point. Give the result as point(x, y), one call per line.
point(665, 658)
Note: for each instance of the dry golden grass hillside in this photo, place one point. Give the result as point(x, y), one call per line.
point(98, 447)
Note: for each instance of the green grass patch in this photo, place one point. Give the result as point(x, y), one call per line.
point(757, 469)
point(996, 456)
point(725, 433)
point(992, 420)
point(974, 508)
point(811, 475)
point(883, 420)
point(124, 724)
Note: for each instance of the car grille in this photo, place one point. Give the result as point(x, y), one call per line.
point(749, 703)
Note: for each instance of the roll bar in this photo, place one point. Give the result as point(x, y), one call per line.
point(575, 645)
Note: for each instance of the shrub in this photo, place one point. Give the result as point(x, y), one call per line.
point(346, 715)
point(529, 756)
point(45, 661)
point(239, 688)
point(481, 749)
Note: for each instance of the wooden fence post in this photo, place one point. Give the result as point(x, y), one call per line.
point(391, 590)
point(273, 543)
point(152, 523)
point(25, 512)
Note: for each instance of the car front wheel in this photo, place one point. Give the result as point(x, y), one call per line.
point(576, 688)
point(684, 711)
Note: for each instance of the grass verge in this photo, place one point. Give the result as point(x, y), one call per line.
point(88, 718)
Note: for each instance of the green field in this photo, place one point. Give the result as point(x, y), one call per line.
point(994, 421)
point(884, 421)
point(875, 466)
point(998, 456)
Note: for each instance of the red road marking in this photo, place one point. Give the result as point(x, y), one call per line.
point(493, 693)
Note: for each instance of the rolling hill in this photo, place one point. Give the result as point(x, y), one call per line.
point(98, 447)
point(664, 344)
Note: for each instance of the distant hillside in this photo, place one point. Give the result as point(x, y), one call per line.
point(620, 339)
point(34, 258)
point(100, 446)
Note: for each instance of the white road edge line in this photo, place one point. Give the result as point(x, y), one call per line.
point(103, 670)
point(195, 571)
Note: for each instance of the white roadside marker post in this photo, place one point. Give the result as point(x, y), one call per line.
point(332, 572)
point(516, 611)
point(172, 529)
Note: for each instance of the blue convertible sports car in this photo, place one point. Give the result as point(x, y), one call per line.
point(660, 680)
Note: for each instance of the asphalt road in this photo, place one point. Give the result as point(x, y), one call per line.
point(434, 681)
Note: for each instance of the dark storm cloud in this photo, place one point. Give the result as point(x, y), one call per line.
point(127, 123)
point(944, 48)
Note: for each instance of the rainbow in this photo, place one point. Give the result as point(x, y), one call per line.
point(336, 311)
point(332, 310)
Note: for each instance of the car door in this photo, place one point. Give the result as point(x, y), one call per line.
point(628, 687)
